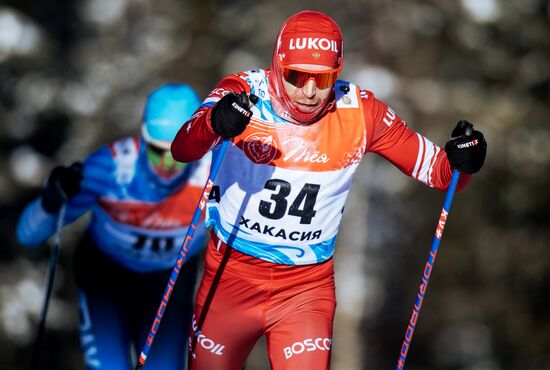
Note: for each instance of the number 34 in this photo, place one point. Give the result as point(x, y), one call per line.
point(276, 208)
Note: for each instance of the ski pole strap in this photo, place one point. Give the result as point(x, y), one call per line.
point(428, 270)
point(183, 252)
point(59, 224)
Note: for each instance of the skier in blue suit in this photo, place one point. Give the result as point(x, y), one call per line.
point(141, 202)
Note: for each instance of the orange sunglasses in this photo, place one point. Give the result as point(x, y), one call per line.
point(299, 77)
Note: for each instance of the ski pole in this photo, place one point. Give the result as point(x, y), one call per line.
point(428, 270)
point(183, 253)
point(208, 301)
point(54, 254)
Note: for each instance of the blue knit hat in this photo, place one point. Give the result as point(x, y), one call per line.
point(166, 110)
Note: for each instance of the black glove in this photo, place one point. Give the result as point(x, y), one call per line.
point(467, 148)
point(62, 184)
point(231, 114)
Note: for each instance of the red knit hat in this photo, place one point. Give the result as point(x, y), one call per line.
point(310, 37)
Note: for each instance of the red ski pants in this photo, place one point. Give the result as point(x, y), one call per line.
point(292, 305)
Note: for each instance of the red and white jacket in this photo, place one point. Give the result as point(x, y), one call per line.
point(283, 186)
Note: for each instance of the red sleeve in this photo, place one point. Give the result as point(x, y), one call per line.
point(196, 137)
point(415, 155)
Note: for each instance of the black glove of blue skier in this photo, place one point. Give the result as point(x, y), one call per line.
point(62, 184)
point(466, 150)
point(231, 114)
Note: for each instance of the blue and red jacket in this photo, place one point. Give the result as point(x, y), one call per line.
point(138, 218)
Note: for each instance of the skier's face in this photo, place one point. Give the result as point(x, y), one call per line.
point(162, 163)
point(308, 85)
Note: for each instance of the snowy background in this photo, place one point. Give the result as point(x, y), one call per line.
point(74, 74)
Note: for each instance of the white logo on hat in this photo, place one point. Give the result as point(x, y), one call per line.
point(313, 43)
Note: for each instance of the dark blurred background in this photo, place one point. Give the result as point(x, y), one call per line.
point(74, 74)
